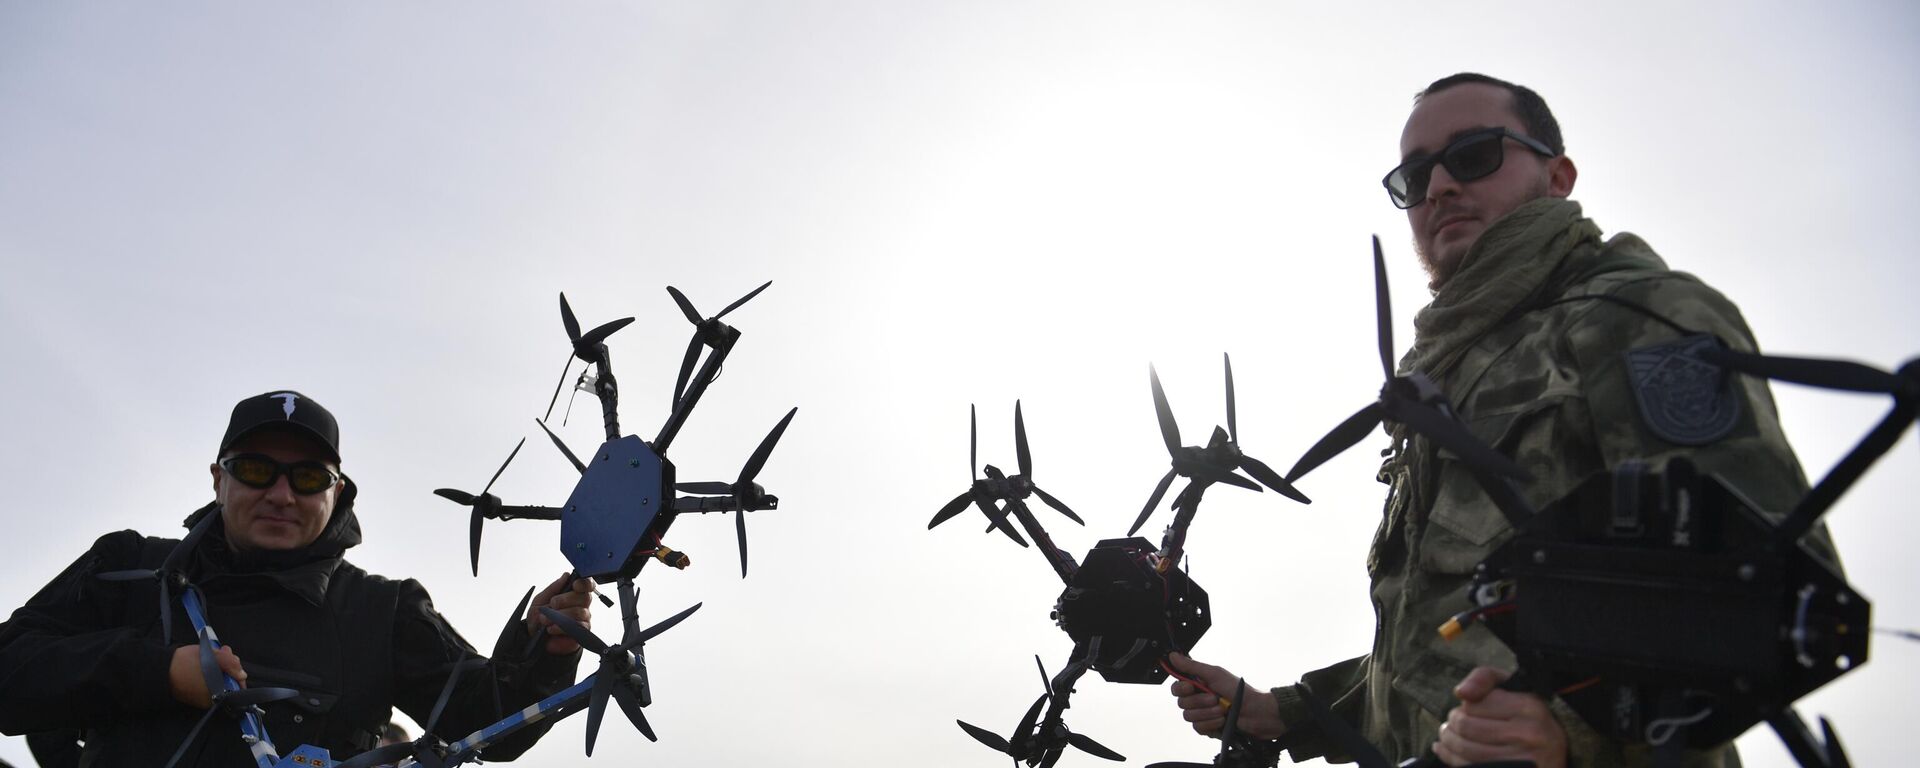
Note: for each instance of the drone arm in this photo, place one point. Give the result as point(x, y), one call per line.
point(695, 389)
point(509, 512)
point(1062, 562)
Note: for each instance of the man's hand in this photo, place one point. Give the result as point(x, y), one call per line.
point(1494, 724)
point(575, 600)
point(189, 687)
point(1259, 714)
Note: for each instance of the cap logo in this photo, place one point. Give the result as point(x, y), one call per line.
point(286, 402)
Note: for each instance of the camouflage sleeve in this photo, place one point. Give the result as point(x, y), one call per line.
point(1343, 686)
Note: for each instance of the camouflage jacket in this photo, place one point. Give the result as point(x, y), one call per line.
point(1540, 373)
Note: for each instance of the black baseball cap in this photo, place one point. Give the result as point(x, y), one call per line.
point(283, 409)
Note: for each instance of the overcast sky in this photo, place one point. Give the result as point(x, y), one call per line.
point(958, 202)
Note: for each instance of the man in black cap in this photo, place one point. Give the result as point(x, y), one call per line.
point(94, 655)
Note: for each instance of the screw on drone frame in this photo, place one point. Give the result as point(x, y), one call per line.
point(1413, 400)
point(1040, 741)
point(623, 667)
point(1203, 466)
point(710, 333)
point(747, 494)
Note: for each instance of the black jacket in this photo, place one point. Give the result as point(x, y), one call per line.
point(87, 654)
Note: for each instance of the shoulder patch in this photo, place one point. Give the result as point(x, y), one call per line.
point(1683, 399)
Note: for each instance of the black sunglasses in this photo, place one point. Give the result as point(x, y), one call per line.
point(1473, 156)
point(304, 477)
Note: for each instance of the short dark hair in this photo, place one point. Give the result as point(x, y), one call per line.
point(1527, 105)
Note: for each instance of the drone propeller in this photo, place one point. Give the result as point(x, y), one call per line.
point(619, 674)
point(1412, 400)
point(562, 446)
point(484, 506)
point(169, 573)
point(1039, 743)
point(706, 333)
point(1024, 480)
point(234, 702)
point(586, 347)
point(1230, 749)
point(745, 491)
point(394, 753)
point(1213, 463)
point(976, 493)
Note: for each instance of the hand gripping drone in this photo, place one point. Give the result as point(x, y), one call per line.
point(1126, 606)
point(1657, 601)
point(611, 526)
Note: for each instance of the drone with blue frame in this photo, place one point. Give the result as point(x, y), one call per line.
point(612, 525)
point(1127, 606)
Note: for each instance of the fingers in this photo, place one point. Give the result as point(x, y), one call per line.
point(1503, 725)
point(229, 664)
point(1478, 683)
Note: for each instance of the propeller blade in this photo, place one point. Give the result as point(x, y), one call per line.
point(597, 705)
point(562, 446)
point(559, 384)
point(252, 697)
point(710, 488)
point(973, 442)
point(450, 494)
point(952, 508)
point(600, 334)
point(1213, 474)
point(740, 530)
point(686, 367)
point(1265, 474)
point(1052, 755)
point(473, 538)
point(631, 706)
point(1020, 442)
point(1233, 429)
point(759, 458)
point(504, 465)
point(1055, 503)
point(192, 736)
point(686, 307)
point(209, 669)
point(134, 575)
point(998, 519)
point(1344, 436)
point(1094, 748)
point(1233, 715)
point(580, 634)
point(655, 630)
point(1046, 683)
point(1152, 501)
point(984, 736)
point(178, 555)
point(520, 610)
point(446, 690)
point(1830, 374)
point(1025, 730)
point(1453, 436)
point(1169, 430)
point(1383, 309)
point(567, 318)
point(743, 300)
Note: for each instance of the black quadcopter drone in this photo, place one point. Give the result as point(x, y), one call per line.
point(1127, 606)
point(611, 526)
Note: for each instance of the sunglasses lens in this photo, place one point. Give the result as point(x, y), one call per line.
point(309, 478)
point(1475, 157)
point(253, 471)
point(1407, 184)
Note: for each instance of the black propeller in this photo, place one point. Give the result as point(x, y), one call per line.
point(169, 574)
point(235, 702)
point(1039, 743)
point(1412, 399)
point(586, 347)
point(746, 493)
point(484, 506)
point(428, 743)
point(623, 667)
point(708, 332)
point(1213, 463)
point(979, 491)
point(562, 446)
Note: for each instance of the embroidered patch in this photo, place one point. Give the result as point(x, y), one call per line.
point(1683, 399)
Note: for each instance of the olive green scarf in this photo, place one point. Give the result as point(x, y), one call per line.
point(1527, 258)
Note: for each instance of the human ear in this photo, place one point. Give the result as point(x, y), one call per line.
point(1561, 174)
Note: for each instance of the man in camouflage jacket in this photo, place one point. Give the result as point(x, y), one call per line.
point(1545, 373)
